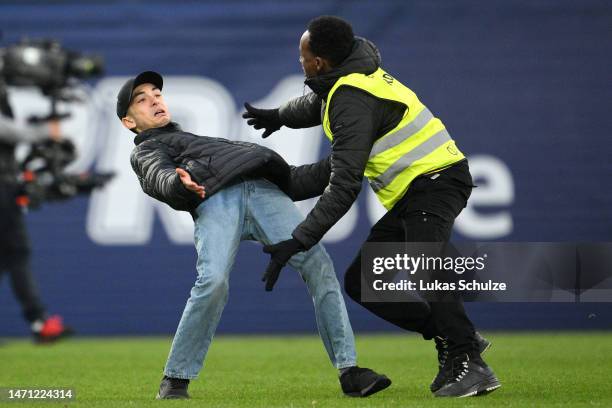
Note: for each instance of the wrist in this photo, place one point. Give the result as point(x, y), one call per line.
point(275, 116)
point(297, 245)
point(281, 115)
point(303, 239)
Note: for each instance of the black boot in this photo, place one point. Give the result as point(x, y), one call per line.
point(468, 378)
point(443, 369)
point(362, 382)
point(173, 388)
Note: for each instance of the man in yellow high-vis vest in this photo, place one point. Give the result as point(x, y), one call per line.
point(379, 129)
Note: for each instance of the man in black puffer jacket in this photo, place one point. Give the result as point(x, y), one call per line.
point(233, 191)
point(379, 129)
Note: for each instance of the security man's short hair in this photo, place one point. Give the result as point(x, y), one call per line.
point(331, 38)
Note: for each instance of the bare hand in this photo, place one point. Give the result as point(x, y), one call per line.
point(189, 183)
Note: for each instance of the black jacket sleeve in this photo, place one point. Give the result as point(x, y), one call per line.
point(354, 120)
point(157, 175)
point(309, 180)
point(301, 112)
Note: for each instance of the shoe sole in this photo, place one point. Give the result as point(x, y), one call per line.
point(479, 389)
point(158, 397)
point(377, 386)
point(489, 388)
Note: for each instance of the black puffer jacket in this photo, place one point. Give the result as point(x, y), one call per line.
point(357, 120)
point(212, 162)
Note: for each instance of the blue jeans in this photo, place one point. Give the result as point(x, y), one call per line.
point(252, 210)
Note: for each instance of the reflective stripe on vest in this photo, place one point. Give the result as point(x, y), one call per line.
point(392, 140)
point(419, 143)
point(422, 150)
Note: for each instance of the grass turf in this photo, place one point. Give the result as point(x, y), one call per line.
point(539, 370)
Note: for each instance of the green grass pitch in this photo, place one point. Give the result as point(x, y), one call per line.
point(536, 370)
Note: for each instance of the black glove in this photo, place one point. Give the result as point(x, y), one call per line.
point(268, 119)
point(281, 253)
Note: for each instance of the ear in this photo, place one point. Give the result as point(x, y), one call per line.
point(322, 65)
point(128, 123)
point(319, 63)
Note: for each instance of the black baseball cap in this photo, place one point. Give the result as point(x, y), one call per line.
point(124, 98)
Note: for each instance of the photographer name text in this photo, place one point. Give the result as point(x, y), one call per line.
point(462, 285)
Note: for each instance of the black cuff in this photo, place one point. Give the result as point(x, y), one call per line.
point(306, 242)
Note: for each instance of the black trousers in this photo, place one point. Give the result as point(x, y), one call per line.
point(426, 213)
point(15, 254)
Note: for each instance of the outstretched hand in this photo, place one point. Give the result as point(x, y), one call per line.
point(190, 184)
point(267, 119)
point(281, 253)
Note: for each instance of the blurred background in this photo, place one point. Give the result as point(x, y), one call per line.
point(524, 87)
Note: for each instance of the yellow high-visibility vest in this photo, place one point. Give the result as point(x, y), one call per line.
point(419, 144)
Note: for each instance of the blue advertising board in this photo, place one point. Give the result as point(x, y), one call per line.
point(522, 86)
